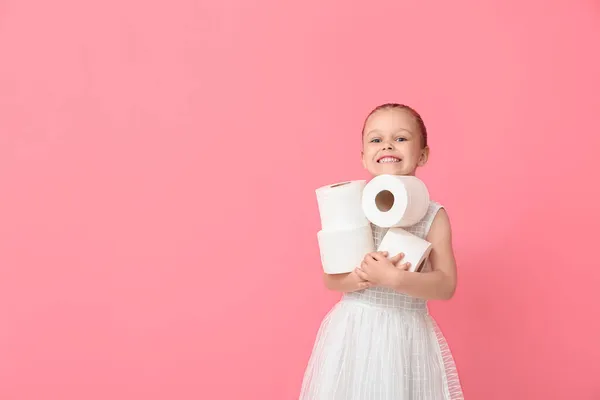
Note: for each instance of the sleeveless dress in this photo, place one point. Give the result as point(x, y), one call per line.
point(380, 344)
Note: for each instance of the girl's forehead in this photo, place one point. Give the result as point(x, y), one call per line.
point(391, 113)
point(389, 117)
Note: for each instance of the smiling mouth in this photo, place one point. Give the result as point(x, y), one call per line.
point(388, 160)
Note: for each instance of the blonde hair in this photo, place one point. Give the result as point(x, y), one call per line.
point(413, 112)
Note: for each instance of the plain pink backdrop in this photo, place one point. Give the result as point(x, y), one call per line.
point(157, 171)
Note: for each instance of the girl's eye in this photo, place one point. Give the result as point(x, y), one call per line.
point(376, 140)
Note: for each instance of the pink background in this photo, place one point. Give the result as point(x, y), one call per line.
point(158, 162)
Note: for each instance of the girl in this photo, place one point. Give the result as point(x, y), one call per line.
point(379, 341)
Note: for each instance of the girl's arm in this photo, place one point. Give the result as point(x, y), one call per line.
point(349, 282)
point(440, 283)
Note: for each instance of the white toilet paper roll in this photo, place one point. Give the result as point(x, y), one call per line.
point(340, 205)
point(395, 201)
point(416, 250)
point(343, 250)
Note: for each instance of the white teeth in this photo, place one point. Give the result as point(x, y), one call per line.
point(388, 160)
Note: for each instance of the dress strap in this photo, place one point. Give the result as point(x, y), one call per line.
point(434, 207)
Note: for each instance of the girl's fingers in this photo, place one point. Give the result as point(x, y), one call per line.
point(361, 274)
point(378, 256)
point(404, 266)
point(397, 258)
point(363, 285)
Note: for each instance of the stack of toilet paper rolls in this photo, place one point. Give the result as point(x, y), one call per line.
point(397, 202)
point(345, 236)
point(388, 201)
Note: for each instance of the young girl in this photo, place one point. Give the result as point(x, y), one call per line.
point(379, 341)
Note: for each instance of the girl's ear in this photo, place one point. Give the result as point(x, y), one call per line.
point(424, 156)
point(362, 158)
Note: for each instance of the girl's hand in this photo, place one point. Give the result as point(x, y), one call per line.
point(396, 261)
point(353, 282)
point(378, 270)
point(349, 282)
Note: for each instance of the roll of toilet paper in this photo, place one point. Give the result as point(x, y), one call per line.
point(340, 205)
point(395, 201)
point(416, 250)
point(343, 250)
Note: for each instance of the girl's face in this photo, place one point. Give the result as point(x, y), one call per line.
point(392, 143)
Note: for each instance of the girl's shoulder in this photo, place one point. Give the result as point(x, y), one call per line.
point(437, 219)
point(433, 211)
point(434, 206)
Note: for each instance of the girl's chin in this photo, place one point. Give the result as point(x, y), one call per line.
point(388, 170)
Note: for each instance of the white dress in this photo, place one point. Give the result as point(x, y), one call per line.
point(383, 345)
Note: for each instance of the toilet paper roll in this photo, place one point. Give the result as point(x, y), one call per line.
point(395, 201)
point(343, 250)
point(340, 205)
point(416, 250)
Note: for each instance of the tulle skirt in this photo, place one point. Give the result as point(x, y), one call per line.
point(365, 351)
